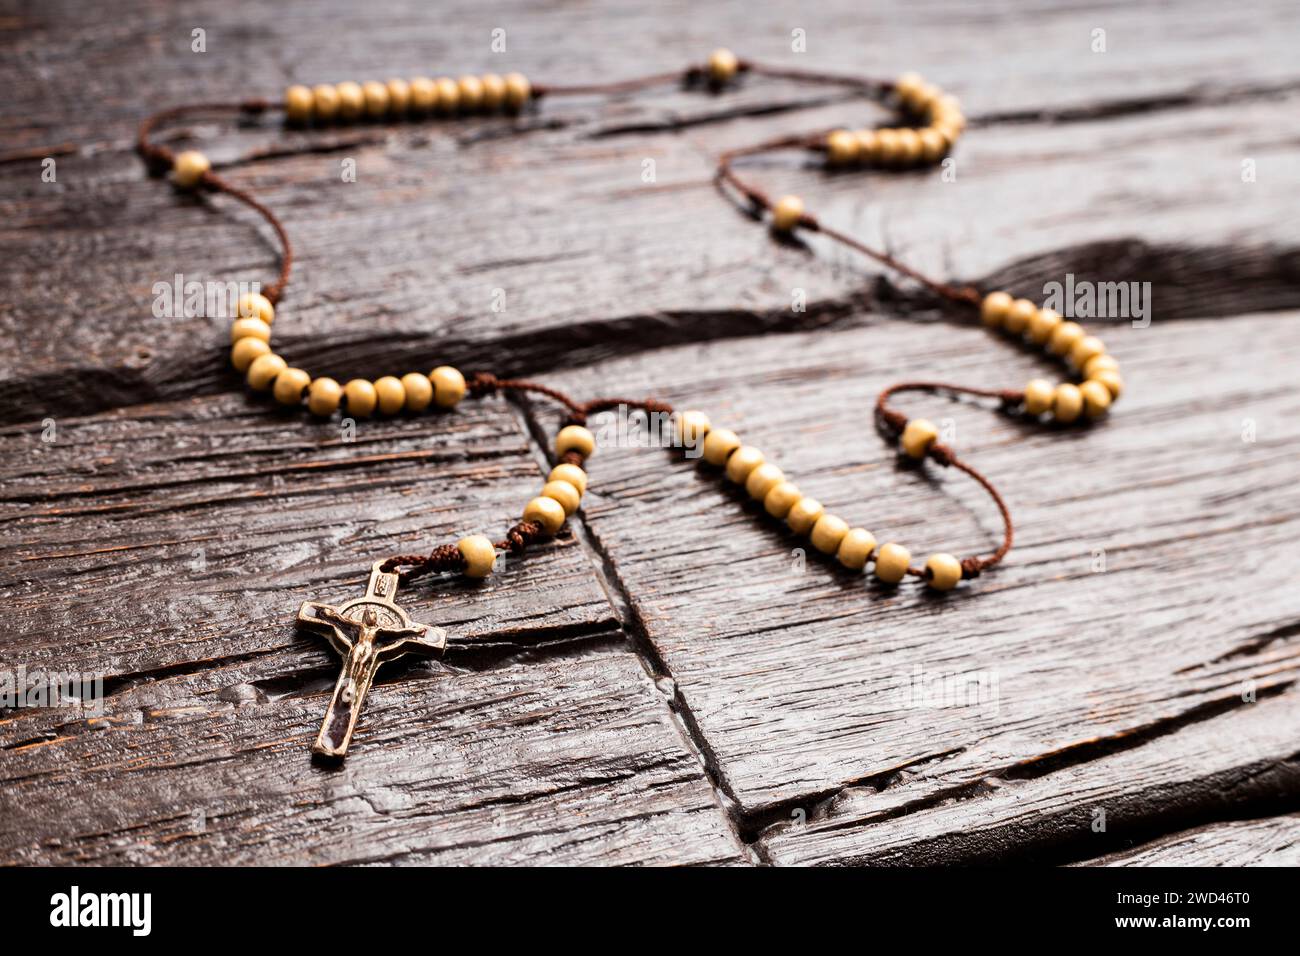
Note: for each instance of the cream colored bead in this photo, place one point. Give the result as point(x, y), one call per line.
point(570, 473)
point(889, 145)
point(255, 305)
point(910, 149)
point(742, 461)
point(1042, 325)
point(564, 493)
point(264, 369)
point(189, 167)
point(948, 107)
point(399, 96)
point(933, 144)
point(518, 91)
point(994, 309)
point(323, 396)
point(1063, 339)
point(390, 394)
point(856, 548)
point(424, 95)
point(1038, 396)
point(719, 443)
point(762, 480)
point(842, 148)
point(360, 397)
point(804, 514)
point(1019, 316)
point(470, 90)
point(479, 554)
point(891, 562)
point(828, 533)
point(691, 428)
point(1110, 378)
point(1096, 398)
point(786, 213)
point(1067, 403)
point(577, 439)
point(298, 103)
point(249, 328)
point(419, 391)
point(376, 95)
point(243, 352)
point(324, 102)
point(290, 385)
point(494, 91)
point(547, 512)
point(1099, 363)
point(942, 572)
point(868, 146)
point(722, 66)
point(907, 84)
point(781, 499)
point(448, 94)
point(448, 386)
point(1087, 348)
point(918, 435)
point(352, 99)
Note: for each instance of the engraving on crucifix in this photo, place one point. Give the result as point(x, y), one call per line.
point(366, 632)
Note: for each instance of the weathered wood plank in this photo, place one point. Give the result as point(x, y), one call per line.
point(1273, 841)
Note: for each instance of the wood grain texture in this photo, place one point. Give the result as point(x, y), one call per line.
point(1274, 841)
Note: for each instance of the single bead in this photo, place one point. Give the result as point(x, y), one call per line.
point(494, 91)
point(298, 103)
point(376, 95)
point(189, 167)
point(324, 102)
point(243, 352)
point(933, 144)
point(842, 148)
point(907, 84)
point(290, 385)
point(910, 149)
point(891, 562)
point(805, 513)
point(786, 213)
point(948, 107)
point(419, 391)
point(1099, 363)
point(1038, 396)
point(577, 439)
point(564, 493)
point(390, 394)
point(424, 95)
point(323, 396)
point(994, 308)
point(762, 480)
point(1096, 398)
point(479, 554)
point(448, 94)
point(1067, 403)
point(1088, 347)
point(949, 132)
point(868, 146)
point(1063, 339)
point(352, 99)
point(918, 435)
point(691, 428)
point(518, 91)
point(719, 443)
point(255, 305)
point(856, 548)
point(942, 572)
point(360, 397)
point(1110, 378)
point(448, 386)
point(547, 512)
point(781, 499)
point(399, 96)
point(722, 66)
point(1042, 325)
point(470, 90)
point(828, 533)
point(742, 461)
point(264, 369)
point(1019, 316)
point(565, 471)
point(249, 328)
point(890, 146)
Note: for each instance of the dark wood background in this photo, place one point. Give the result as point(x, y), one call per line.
point(669, 684)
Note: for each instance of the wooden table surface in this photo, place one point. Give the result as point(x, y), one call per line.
point(671, 682)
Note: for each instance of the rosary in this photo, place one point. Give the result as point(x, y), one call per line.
point(372, 629)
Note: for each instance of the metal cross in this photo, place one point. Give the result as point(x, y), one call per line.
point(367, 632)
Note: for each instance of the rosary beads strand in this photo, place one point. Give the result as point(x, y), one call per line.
point(907, 146)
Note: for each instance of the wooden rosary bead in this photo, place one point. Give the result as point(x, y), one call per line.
point(577, 439)
point(933, 144)
point(906, 85)
point(264, 369)
point(246, 350)
point(479, 553)
point(1042, 325)
point(868, 146)
point(494, 91)
point(722, 66)
point(390, 394)
point(994, 309)
point(249, 327)
point(842, 148)
point(856, 548)
point(324, 102)
point(298, 103)
point(1067, 403)
point(547, 512)
point(743, 461)
point(255, 305)
point(448, 386)
point(1064, 337)
point(570, 473)
point(1110, 378)
point(189, 168)
point(1038, 396)
point(360, 397)
point(762, 480)
point(918, 435)
point(290, 385)
point(910, 149)
point(786, 213)
point(1085, 349)
point(352, 100)
point(781, 499)
point(923, 95)
point(376, 95)
point(323, 396)
point(399, 96)
point(889, 146)
point(424, 95)
point(564, 493)
point(470, 93)
point(518, 91)
point(719, 443)
point(419, 391)
point(804, 514)
point(892, 562)
point(448, 94)
point(828, 533)
point(691, 428)
point(942, 572)
point(1096, 398)
point(1099, 363)
point(1018, 316)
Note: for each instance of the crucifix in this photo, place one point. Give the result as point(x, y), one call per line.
point(366, 632)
